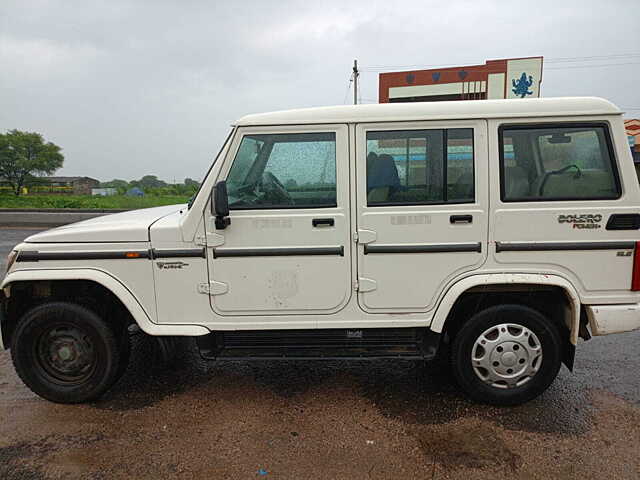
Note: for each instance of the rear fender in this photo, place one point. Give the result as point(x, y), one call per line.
point(459, 288)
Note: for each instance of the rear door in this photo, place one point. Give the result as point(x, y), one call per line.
point(568, 202)
point(287, 249)
point(421, 210)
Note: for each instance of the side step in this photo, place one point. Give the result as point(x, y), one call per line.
point(344, 344)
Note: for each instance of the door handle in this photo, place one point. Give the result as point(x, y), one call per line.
point(329, 222)
point(461, 219)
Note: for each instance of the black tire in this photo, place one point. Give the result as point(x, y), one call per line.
point(124, 346)
point(50, 332)
point(550, 341)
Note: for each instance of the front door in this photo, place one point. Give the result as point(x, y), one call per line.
point(422, 210)
point(287, 249)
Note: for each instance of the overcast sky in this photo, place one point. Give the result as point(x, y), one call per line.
point(129, 88)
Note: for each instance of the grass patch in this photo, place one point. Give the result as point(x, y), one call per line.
point(88, 201)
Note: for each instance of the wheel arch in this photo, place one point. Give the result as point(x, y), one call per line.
point(505, 283)
point(135, 308)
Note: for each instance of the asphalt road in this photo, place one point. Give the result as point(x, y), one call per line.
point(325, 420)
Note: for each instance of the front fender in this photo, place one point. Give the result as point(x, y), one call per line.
point(458, 288)
point(139, 314)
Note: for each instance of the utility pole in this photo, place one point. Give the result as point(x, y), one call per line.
point(356, 75)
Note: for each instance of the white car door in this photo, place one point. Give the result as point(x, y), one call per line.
point(567, 202)
point(422, 210)
point(286, 250)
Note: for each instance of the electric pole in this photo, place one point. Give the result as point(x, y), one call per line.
point(356, 74)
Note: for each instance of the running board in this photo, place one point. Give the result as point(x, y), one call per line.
point(320, 344)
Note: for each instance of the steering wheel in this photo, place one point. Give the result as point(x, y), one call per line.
point(274, 191)
point(557, 172)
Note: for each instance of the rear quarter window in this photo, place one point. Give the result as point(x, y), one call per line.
point(557, 162)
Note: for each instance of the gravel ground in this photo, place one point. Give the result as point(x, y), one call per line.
point(324, 420)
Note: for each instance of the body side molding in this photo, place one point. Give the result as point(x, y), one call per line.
point(178, 253)
point(561, 246)
point(441, 248)
point(277, 252)
point(35, 256)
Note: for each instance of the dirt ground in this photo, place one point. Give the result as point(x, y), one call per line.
point(325, 420)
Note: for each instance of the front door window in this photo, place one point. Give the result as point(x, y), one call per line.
point(284, 171)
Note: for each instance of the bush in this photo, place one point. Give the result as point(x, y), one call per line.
point(87, 201)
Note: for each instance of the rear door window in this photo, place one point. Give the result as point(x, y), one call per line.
point(418, 167)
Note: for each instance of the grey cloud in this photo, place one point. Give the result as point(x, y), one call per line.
point(129, 88)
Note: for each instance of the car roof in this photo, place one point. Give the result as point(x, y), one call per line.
point(454, 110)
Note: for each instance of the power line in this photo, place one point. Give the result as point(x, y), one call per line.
point(592, 58)
point(346, 93)
point(593, 66)
point(568, 67)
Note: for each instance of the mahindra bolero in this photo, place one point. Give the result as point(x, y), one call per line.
point(494, 232)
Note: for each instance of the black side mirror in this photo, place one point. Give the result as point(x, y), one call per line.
point(221, 205)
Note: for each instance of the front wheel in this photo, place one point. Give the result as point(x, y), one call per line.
point(506, 355)
point(65, 352)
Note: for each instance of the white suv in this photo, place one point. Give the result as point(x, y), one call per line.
point(502, 230)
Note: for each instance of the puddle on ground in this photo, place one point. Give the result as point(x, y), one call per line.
point(16, 459)
point(12, 462)
point(468, 446)
point(426, 394)
point(414, 392)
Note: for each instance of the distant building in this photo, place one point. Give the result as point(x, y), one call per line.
point(77, 185)
point(632, 127)
point(61, 185)
point(508, 78)
point(104, 192)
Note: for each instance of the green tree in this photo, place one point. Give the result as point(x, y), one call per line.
point(115, 183)
point(25, 154)
point(151, 181)
point(190, 182)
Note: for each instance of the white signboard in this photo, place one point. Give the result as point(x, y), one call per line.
point(523, 78)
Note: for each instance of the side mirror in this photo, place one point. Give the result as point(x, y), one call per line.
point(221, 205)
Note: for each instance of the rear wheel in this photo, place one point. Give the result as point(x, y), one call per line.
point(65, 353)
point(506, 355)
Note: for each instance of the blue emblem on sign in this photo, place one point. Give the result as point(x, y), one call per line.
point(462, 74)
point(410, 78)
point(521, 87)
point(435, 76)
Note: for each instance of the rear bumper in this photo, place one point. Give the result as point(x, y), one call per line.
point(606, 319)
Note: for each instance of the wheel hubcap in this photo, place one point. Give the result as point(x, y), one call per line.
point(506, 355)
point(66, 354)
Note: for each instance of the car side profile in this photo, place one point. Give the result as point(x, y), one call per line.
point(496, 232)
